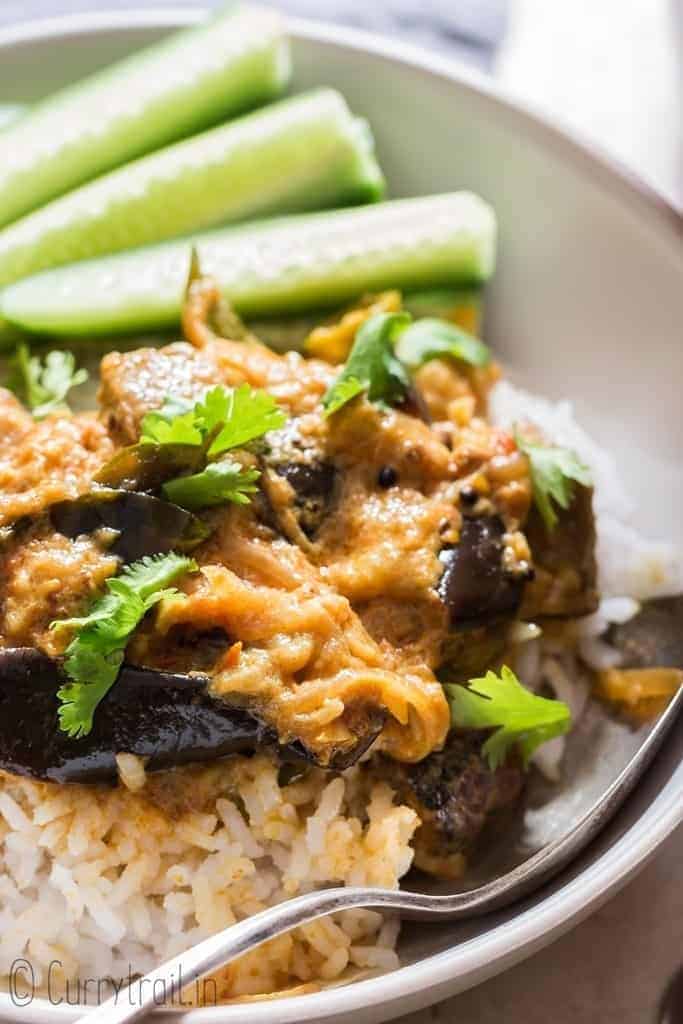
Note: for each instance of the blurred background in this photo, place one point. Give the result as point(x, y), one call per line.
point(609, 69)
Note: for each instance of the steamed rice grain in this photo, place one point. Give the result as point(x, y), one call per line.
point(102, 881)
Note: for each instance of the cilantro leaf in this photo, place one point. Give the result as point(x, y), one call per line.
point(158, 428)
point(554, 471)
point(151, 574)
point(222, 420)
point(95, 654)
point(44, 384)
point(243, 416)
point(214, 409)
point(433, 339)
point(372, 366)
point(220, 482)
point(345, 389)
point(520, 718)
point(227, 418)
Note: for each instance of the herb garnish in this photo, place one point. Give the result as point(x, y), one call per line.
point(222, 421)
point(520, 718)
point(435, 339)
point(218, 483)
point(372, 366)
point(554, 471)
point(387, 347)
point(43, 384)
point(95, 655)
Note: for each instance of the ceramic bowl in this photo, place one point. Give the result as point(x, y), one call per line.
point(587, 303)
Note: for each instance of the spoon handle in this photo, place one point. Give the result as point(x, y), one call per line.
point(164, 985)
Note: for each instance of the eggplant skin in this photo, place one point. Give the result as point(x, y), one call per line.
point(313, 486)
point(566, 571)
point(145, 467)
point(364, 723)
point(312, 477)
point(169, 719)
point(456, 794)
point(474, 586)
point(138, 524)
point(144, 525)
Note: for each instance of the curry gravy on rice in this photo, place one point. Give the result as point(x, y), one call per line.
point(384, 546)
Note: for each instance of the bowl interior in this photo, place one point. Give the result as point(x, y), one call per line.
point(587, 303)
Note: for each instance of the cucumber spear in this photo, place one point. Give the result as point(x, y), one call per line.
point(286, 265)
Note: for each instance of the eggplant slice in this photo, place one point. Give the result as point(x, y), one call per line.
point(313, 485)
point(165, 718)
point(168, 719)
point(565, 583)
point(145, 467)
point(133, 525)
point(312, 477)
point(475, 586)
point(144, 525)
point(455, 794)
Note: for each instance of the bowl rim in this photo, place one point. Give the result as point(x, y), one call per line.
point(510, 942)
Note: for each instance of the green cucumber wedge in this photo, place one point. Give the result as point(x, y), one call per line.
point(286, 265)
point(304, 153)
point(194, 79)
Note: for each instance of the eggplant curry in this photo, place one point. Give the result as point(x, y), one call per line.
point(332, 557)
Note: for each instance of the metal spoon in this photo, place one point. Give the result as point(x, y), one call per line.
point(238, 939)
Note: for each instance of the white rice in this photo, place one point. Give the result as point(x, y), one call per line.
point(101, 884)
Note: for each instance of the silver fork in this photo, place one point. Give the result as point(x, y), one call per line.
point(241, 938)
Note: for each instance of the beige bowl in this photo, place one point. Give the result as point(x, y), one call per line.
point(588, 303)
